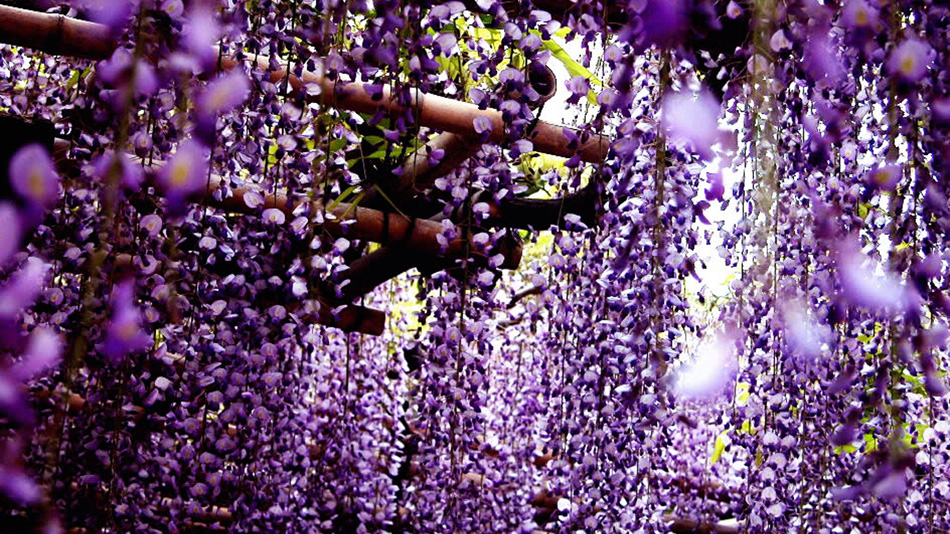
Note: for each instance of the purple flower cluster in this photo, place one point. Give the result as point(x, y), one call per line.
point(261, 280)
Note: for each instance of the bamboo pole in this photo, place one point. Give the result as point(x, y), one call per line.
point(347, 220)
point(55, 34)
point(61, 35)
point(437, 112)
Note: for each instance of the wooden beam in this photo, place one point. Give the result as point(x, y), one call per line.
point(436, 112)
point(55, 34)
point(61, 35)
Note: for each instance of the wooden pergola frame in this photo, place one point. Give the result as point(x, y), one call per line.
point(408, 241)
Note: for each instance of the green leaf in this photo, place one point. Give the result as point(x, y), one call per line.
point(722, 441)
point(355, 204)
point(845, 449)
point(573, 67)
point(342, 197)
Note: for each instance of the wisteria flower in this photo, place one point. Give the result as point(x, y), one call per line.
point(124, 333)
point(11, 231)
point(886, 177)
point(185, 174)
point(864, 284)
point(274, 216)
point(579, 86)
point(152, 224)
point(483, 126)
point(710, 371)
point(34, 177)
point(692, 119)
point(910, 60)
point(716, 188)
point(733, 10)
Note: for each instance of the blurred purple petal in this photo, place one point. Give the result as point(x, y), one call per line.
point(44, 350)
point(910, 60)
point(185, 173)
point(124, 334)
point(23, 287)
point(886, 177)
point(33, 176)
point(225, 93)
point(10, 231)
point(710, 372)
point(692, 119)
point(864, 284)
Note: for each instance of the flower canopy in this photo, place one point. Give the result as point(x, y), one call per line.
point(480, 266)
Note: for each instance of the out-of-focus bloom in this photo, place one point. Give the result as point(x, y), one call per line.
point(885, 178)
point(44, 350)
point(186, 173)
point(10, 231)
point(225, 93)
point(822, 62)
point(112, 13)
point(664, 23)
point(122, 70)
point(21, 290)
point(940, 112)
point(858, 14)
point(713, 368)
point(891, 485)
point(910, 60)
point(18, 486)
point(805, 336)
point(864, 284)
point(124, 333)
point(130, 173)
point(200, 34)
point(930, 266)
point(692, 119)
point(33, 176)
